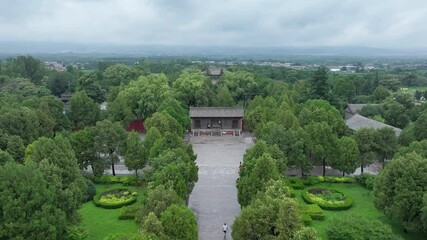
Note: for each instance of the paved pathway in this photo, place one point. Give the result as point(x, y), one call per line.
point(214, 197)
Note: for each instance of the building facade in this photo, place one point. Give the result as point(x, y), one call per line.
point(216, 121)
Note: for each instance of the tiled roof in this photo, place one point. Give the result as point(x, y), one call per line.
point(357, 122)
point(215, 112)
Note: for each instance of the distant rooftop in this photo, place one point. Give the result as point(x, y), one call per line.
point(215, 112)
point(354, 107)
point(357, 122)
point(213, 71)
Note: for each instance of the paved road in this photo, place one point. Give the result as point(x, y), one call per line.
point(214, 197)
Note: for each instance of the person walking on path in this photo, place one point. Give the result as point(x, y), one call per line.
point(224, 229)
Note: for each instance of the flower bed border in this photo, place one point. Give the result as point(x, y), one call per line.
point(96, 200)
point(336, 206)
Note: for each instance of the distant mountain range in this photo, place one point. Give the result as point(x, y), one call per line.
point(13, 48)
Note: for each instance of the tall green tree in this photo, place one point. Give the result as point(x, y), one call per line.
point(140, 99)
point(134, 155)
point(55, 158)
point(16, 148)
point(90, 83)
point(320, 142)
point(420, 130)
point(83, 143)
point(110, 139)
point(60, 82)
point(264, 169)
point(84, 111)
point(319, 86)
point(164, 121)
point(179, 222)
point(5, 157)
point(223, 98)
point(28, 204)
point(191, 88)
point(399, 190)
point(366, 141)
point(347, 155)
point(241, 85)
point(386, 144)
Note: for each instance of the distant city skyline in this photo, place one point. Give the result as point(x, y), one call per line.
point(238, 23)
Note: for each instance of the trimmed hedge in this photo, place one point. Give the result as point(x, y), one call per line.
point(312, 180)
point(128, 212)
point(295, 182)
point(125, 180)
point(306, 219)
point(328, 205)
point(315, 212)
point(113, 205)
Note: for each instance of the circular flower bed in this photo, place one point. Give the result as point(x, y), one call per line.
point(328, 199)
point(115, 198)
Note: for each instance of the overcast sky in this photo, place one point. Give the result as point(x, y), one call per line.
point(305, 23)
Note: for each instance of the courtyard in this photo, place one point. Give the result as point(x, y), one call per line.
point(214, 197)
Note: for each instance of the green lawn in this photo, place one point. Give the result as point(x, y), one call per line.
point(101, 222)
point(362, 205)
point(413, 89)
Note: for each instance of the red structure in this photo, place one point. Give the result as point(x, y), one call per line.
point(136, 125)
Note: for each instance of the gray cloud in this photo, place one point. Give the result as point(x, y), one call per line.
point(393, 23)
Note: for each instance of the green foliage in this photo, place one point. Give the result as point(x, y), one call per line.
point(314, 211)
point(5, 157)
point(295, 182)
point(241, 84)
point(306, 233)
point(90, 83)
point(347, 155)
point(56, 159)
point(176, 110)
point(84, 111)
point(164, 121)
point(223, 98)
point(400, 187)
point(76, 233)
point(357, 227)
point(192, 88)
point(319, 86)
point(306, 219)
point(268, 218)
point(367, 180)
point(109, 142)
point(134, 236)
point(179, 222)
point(134, 154)
point(90, 190)
point(420, 124)
point(158, 200)
point(365, 139)
point(329, 201)
point(115, 198)
point(264, 169)
point(60, 82)
point(128, 212)
point(152, 224)
point(29, 204)
point(125, 180)
point(140, 99)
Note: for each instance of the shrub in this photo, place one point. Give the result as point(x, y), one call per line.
point(306, 219)
point(366, 180)
point(328, 203)
point(295, 182)
point(114, 199)
point(314, 211)
point(311, 180)
point(128, 212)
point(125, 180)
point(358, 227)
point(76, 233)
point(90, 190)
point(329, 179)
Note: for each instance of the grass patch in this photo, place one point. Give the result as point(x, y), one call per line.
point(101, 222)
point(363, 204)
